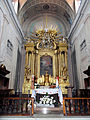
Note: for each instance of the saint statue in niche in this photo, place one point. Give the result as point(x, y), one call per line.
point(46, 64)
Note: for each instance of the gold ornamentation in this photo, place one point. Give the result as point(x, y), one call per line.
point(46, 42)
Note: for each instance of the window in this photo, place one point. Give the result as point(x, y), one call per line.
point(83, 45)
point(15, 5)
point(9, 47)
point(77, 4)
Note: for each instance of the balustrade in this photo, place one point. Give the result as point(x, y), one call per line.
point(16, 106)
point(76, 106)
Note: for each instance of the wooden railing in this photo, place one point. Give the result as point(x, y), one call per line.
point(76, 106)
point(16, 106)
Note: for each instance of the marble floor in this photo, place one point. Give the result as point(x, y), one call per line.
point(43, 114)
point(43, 117)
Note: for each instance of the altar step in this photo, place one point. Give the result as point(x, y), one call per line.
point(48, 110)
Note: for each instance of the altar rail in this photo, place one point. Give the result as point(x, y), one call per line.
point(16, 106)
point(76, 106)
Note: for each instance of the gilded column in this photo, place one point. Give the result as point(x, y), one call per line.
point(63, 59)
point(32, 63)
point(56, 60)
point(57, 65)
point(30, 60)
point(60, 64)
point(36, 65)
point(54, 66)
point(26, 58)
point(66, 58)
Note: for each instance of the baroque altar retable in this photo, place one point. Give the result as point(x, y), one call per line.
point(46, 59)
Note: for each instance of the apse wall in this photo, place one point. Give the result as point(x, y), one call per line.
point(45, 22)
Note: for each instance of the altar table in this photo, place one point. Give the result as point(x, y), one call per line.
point(44, 91)
point(49, 91)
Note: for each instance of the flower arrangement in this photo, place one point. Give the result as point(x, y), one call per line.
point(47, 100)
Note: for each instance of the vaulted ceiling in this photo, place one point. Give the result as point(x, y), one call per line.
point(33, 12)
point(22, 2)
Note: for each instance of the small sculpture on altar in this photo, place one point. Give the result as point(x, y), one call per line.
point(64, 71)
point(46, 79)
point(27, 71)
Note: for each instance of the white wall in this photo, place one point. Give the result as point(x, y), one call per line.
point(80, 31)
point(9, 30)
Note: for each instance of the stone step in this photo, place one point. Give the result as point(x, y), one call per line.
point(37, 117)
point(48, 110)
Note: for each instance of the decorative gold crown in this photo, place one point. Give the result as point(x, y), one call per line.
point(46, 37)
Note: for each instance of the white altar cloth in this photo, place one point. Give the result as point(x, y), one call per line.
point(44, 91)
point(49, 91)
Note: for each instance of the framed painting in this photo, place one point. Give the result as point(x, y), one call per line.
point(46, 64)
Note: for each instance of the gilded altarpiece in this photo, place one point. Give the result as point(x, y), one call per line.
point(58, 66)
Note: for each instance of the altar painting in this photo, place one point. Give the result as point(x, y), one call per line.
point(46, 64)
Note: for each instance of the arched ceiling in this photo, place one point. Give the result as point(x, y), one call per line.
point(22, 2)
point(57, 11)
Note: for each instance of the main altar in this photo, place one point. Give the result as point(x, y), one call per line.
point(46, 61)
